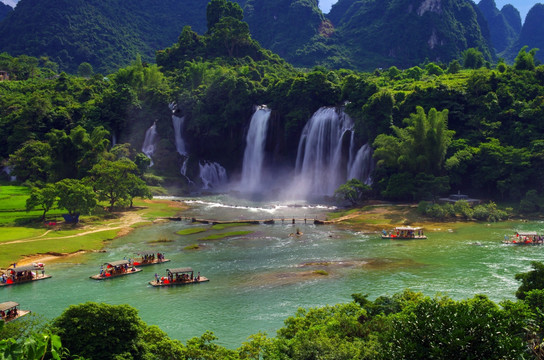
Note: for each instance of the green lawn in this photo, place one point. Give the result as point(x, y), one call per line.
point(10, 253)
point(191, 231)
point(17, 224)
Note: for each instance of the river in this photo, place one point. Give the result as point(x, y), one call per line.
point(260, 279)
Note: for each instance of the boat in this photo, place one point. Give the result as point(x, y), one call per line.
point(115, 269)
point(149, 258)
point(524, 238)
point(178, 276)
point(22, 274)
point(10, 312)
point(404, 233)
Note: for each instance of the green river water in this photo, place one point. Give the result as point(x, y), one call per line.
point(258, 280)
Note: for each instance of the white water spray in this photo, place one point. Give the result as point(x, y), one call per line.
point(212, 175)
point(320, 152)
point(252, 169)
point(148, 148)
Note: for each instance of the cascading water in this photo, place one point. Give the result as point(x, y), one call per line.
point(177, 122)
point(212, 175)
point(362, 166)
point(148, 148)
point(252, 168)
point(320, 152)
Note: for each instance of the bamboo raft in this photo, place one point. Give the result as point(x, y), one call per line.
point(149, 258)
point(9, 311)
point(116, 269)
point(24, 274)
point(178, 276)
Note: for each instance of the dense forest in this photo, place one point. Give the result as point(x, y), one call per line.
point(358, 35)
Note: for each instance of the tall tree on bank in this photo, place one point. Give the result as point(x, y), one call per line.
point(115, 181)
point(413, 157)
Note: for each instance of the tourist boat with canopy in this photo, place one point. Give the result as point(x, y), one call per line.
point(404, 233)
point(178, 276)
point(22, 274)
point(149, 258)
point(115, 269)
point(9, 311)
point(524, 238)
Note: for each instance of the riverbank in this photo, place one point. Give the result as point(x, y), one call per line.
point(60, 240)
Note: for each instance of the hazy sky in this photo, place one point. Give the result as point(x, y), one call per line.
point(522, 5)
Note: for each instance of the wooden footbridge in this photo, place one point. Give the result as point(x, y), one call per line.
point(255, 222)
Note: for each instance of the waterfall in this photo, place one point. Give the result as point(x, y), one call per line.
point(212, 175)
point(362, 166)
point(252, 168)
point(320, 157)
point(150, 140)
point(177, 122)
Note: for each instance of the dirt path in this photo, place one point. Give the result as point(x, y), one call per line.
point(124, 224)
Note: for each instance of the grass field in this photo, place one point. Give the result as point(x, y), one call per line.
point(23, 233)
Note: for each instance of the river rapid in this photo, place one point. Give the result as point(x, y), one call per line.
point(259, 279)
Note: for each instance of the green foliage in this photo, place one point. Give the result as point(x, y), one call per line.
point(531, 280)
point(469, 329)
point(101, 331)
point(85, 70)
point(353, 191)
point(35, 347)
point(75, 196)
point(44, 197)
point(415, 155)
point(525, 60)
point(473, 59)
point(116, 181)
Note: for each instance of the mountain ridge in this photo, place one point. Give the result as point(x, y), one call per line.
point(395, 33)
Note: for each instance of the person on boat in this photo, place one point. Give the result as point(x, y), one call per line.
point(198, 276)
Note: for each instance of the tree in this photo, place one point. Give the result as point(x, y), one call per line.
point(114, 181)
point(101, 331)
point(217, 9)
point(525, 60)
point(469, 329)
point(473, 59)
point(76, 197)
point(85, 70)
point(44, 197)
point(531, 280)
point(353, 191)
point(32, 161)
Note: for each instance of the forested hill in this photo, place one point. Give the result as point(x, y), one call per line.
point(532, 34)
point(405, 33)
point(360, 35)
point(504, 25)
point(4, 10)
point(107, 34)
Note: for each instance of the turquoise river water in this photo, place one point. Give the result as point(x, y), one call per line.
point(260, 279)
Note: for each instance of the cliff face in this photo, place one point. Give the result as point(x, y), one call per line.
point(504, 25)
point(4, 10)
point(362, 35)
point(405, 33)
point(532, 33)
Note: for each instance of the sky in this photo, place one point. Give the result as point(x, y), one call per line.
point(522, 5)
